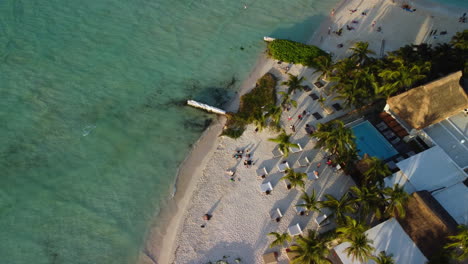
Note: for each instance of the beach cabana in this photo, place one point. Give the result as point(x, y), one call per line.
point(277, 152)
point(296, 150)
point(430, 103)
point(304, 162)
point(262, 172)
point(265, 187)
point(270, 258)
point(282, 167)
point(295, 230)
point(300, 209)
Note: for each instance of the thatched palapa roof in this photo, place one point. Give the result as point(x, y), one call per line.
point(427, 223)
point(430, 103)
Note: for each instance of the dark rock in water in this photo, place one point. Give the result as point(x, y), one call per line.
point(241, 48)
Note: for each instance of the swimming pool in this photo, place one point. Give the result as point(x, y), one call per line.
point(370, 141)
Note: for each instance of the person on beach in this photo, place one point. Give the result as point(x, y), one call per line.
point(329, 30)
point(299, 117)
point(319, 164)
point(373, 23)
point(329, 162)
point(289, 118)
point(316, 173)
point(333, 12)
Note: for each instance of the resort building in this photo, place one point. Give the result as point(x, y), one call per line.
point(435, 114)
point(388, 236)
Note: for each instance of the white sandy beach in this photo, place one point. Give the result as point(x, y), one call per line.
point(241, 213)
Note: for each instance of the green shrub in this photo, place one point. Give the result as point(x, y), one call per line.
point(291, 51)
point(251, 104)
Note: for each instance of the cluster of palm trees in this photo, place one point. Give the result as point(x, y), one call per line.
point(361, 79)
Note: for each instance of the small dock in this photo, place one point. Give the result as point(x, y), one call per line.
point(206, 107)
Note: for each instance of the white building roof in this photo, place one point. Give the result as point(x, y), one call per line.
point(455, 200)
point(429, 170)
point(390, 237)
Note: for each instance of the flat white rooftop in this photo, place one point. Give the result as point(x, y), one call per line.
point(451, 135)
point(428, 170)
point(455, 200)
point(390, 237)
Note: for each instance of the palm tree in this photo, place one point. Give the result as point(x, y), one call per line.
point(369, 200)
point(352, 94)
point(405, 75)
point(274, 112)
point(280, 239)
point(259, 119)
point(325, 65)
point(376, 171)
point(295, 178)
point(294, 83)
point(352, 228)
point(459, 243)
point(286, 100)
point(383, 258)
point(310, 249)
point(360, 248)
point(310, 202)
point(334, 137)
point(283, 143)
point(361, 51)
point(397, 200)
point(339, 207)
point(460, 40)
point(343, 70)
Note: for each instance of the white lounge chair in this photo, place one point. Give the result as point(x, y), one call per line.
point(296, 150)
point(295, 230)
point(299, 209)
point(311, 176)
point(265, 187)
point(321, 219)
point(277, 152)
point(283, 166)
point(276, 214)
point(262, 172)
point(304, 162)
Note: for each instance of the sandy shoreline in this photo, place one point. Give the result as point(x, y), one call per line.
point(199, 186)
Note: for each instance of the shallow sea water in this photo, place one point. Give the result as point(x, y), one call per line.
point(93, 123)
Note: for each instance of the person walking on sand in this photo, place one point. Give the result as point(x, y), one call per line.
point(373, 23)
point(333, 12)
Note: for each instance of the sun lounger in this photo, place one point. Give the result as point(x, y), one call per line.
point(265, 187)
point(314, 96)
point(270, 258)
point(276, 214)
point(296, 150)
point(295, 230)
point(292, 255)
point(311, 176)
point(381, 126)
point(307, 88)
point(317, 116)
point(304, 162)
point(283, 166)
point(337, 107)
point(384, 115)
point(393, 123)
point(328, 110)
point(320, 219)
point(319, 84)
point(277, 152)
point(402, 133)
point(287, 184)
point(262, 172)
point(396, 140)
point(389, 134)
point(300, 209)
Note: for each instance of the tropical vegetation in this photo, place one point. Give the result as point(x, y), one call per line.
point(284, 143)
point(383, 258)
point(296, 179)
point(310, 249)
point(309, 202)
point(295, 52)
point(252, 107)
point(279, 239)
point(360, 248)
point(294, 83)
point(459, 243)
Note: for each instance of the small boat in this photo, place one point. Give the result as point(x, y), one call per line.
point(268, 39)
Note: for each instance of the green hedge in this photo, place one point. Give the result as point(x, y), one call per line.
point(263, 94)
point(291, 51)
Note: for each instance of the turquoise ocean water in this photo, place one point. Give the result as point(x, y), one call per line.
point(92, 122)
point(92, 125)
